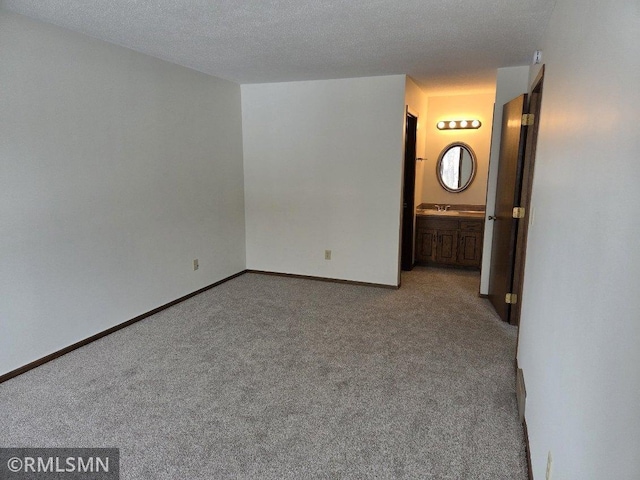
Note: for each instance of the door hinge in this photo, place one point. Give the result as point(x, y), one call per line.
point(518, 212)
point(527, 119)
point(511, 298)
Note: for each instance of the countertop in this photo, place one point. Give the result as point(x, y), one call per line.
point(450, 213)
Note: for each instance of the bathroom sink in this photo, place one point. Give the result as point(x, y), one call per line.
point(441, 213)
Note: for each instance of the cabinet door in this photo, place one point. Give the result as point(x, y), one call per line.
point(470, 251)
point(426, 245)
point(447, 251)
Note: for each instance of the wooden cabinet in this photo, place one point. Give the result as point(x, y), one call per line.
point(426, 240)
point(471, 234)
point(449, 241)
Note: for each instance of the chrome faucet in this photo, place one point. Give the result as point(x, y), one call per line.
point(438, 207)
point(447, 207)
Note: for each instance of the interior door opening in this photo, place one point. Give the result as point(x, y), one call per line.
point(408, 193)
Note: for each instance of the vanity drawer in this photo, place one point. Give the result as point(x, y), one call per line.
point(471, 225)
point(442, 223)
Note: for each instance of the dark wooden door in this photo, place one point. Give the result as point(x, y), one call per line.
point(509, 185)
point(408, 195)
point(535, 102)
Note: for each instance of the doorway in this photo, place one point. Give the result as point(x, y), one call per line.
point(408, 192)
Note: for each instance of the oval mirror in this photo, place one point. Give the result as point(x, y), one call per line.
point(456, 167)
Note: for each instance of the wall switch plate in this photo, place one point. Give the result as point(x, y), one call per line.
point(549, 466)
point(195, 264)
point(327, 254)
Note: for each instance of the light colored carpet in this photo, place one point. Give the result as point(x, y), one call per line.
point(268, 377)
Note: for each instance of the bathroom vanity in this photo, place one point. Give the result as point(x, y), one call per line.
point(450, 238)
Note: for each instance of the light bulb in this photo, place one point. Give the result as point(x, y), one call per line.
point(475, 124)
point(463, 124)
point(452, 124)
point(441, 125)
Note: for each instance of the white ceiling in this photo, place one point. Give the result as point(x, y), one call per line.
point(447, 46)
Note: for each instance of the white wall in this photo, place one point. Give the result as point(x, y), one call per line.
point(117, 170)
point(511, 82)
point(580, 325)
point(457, 107)
point(417, 101)
point(323, 167)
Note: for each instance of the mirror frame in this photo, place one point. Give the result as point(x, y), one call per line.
point(474, 167)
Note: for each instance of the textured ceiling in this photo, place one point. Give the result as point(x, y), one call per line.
point(446, 45)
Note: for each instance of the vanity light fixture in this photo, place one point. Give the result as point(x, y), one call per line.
point(459, 125)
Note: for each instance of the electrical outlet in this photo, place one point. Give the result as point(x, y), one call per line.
point(537, 57)
point(327, 254)
point(549, 466)
point(195, 264)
